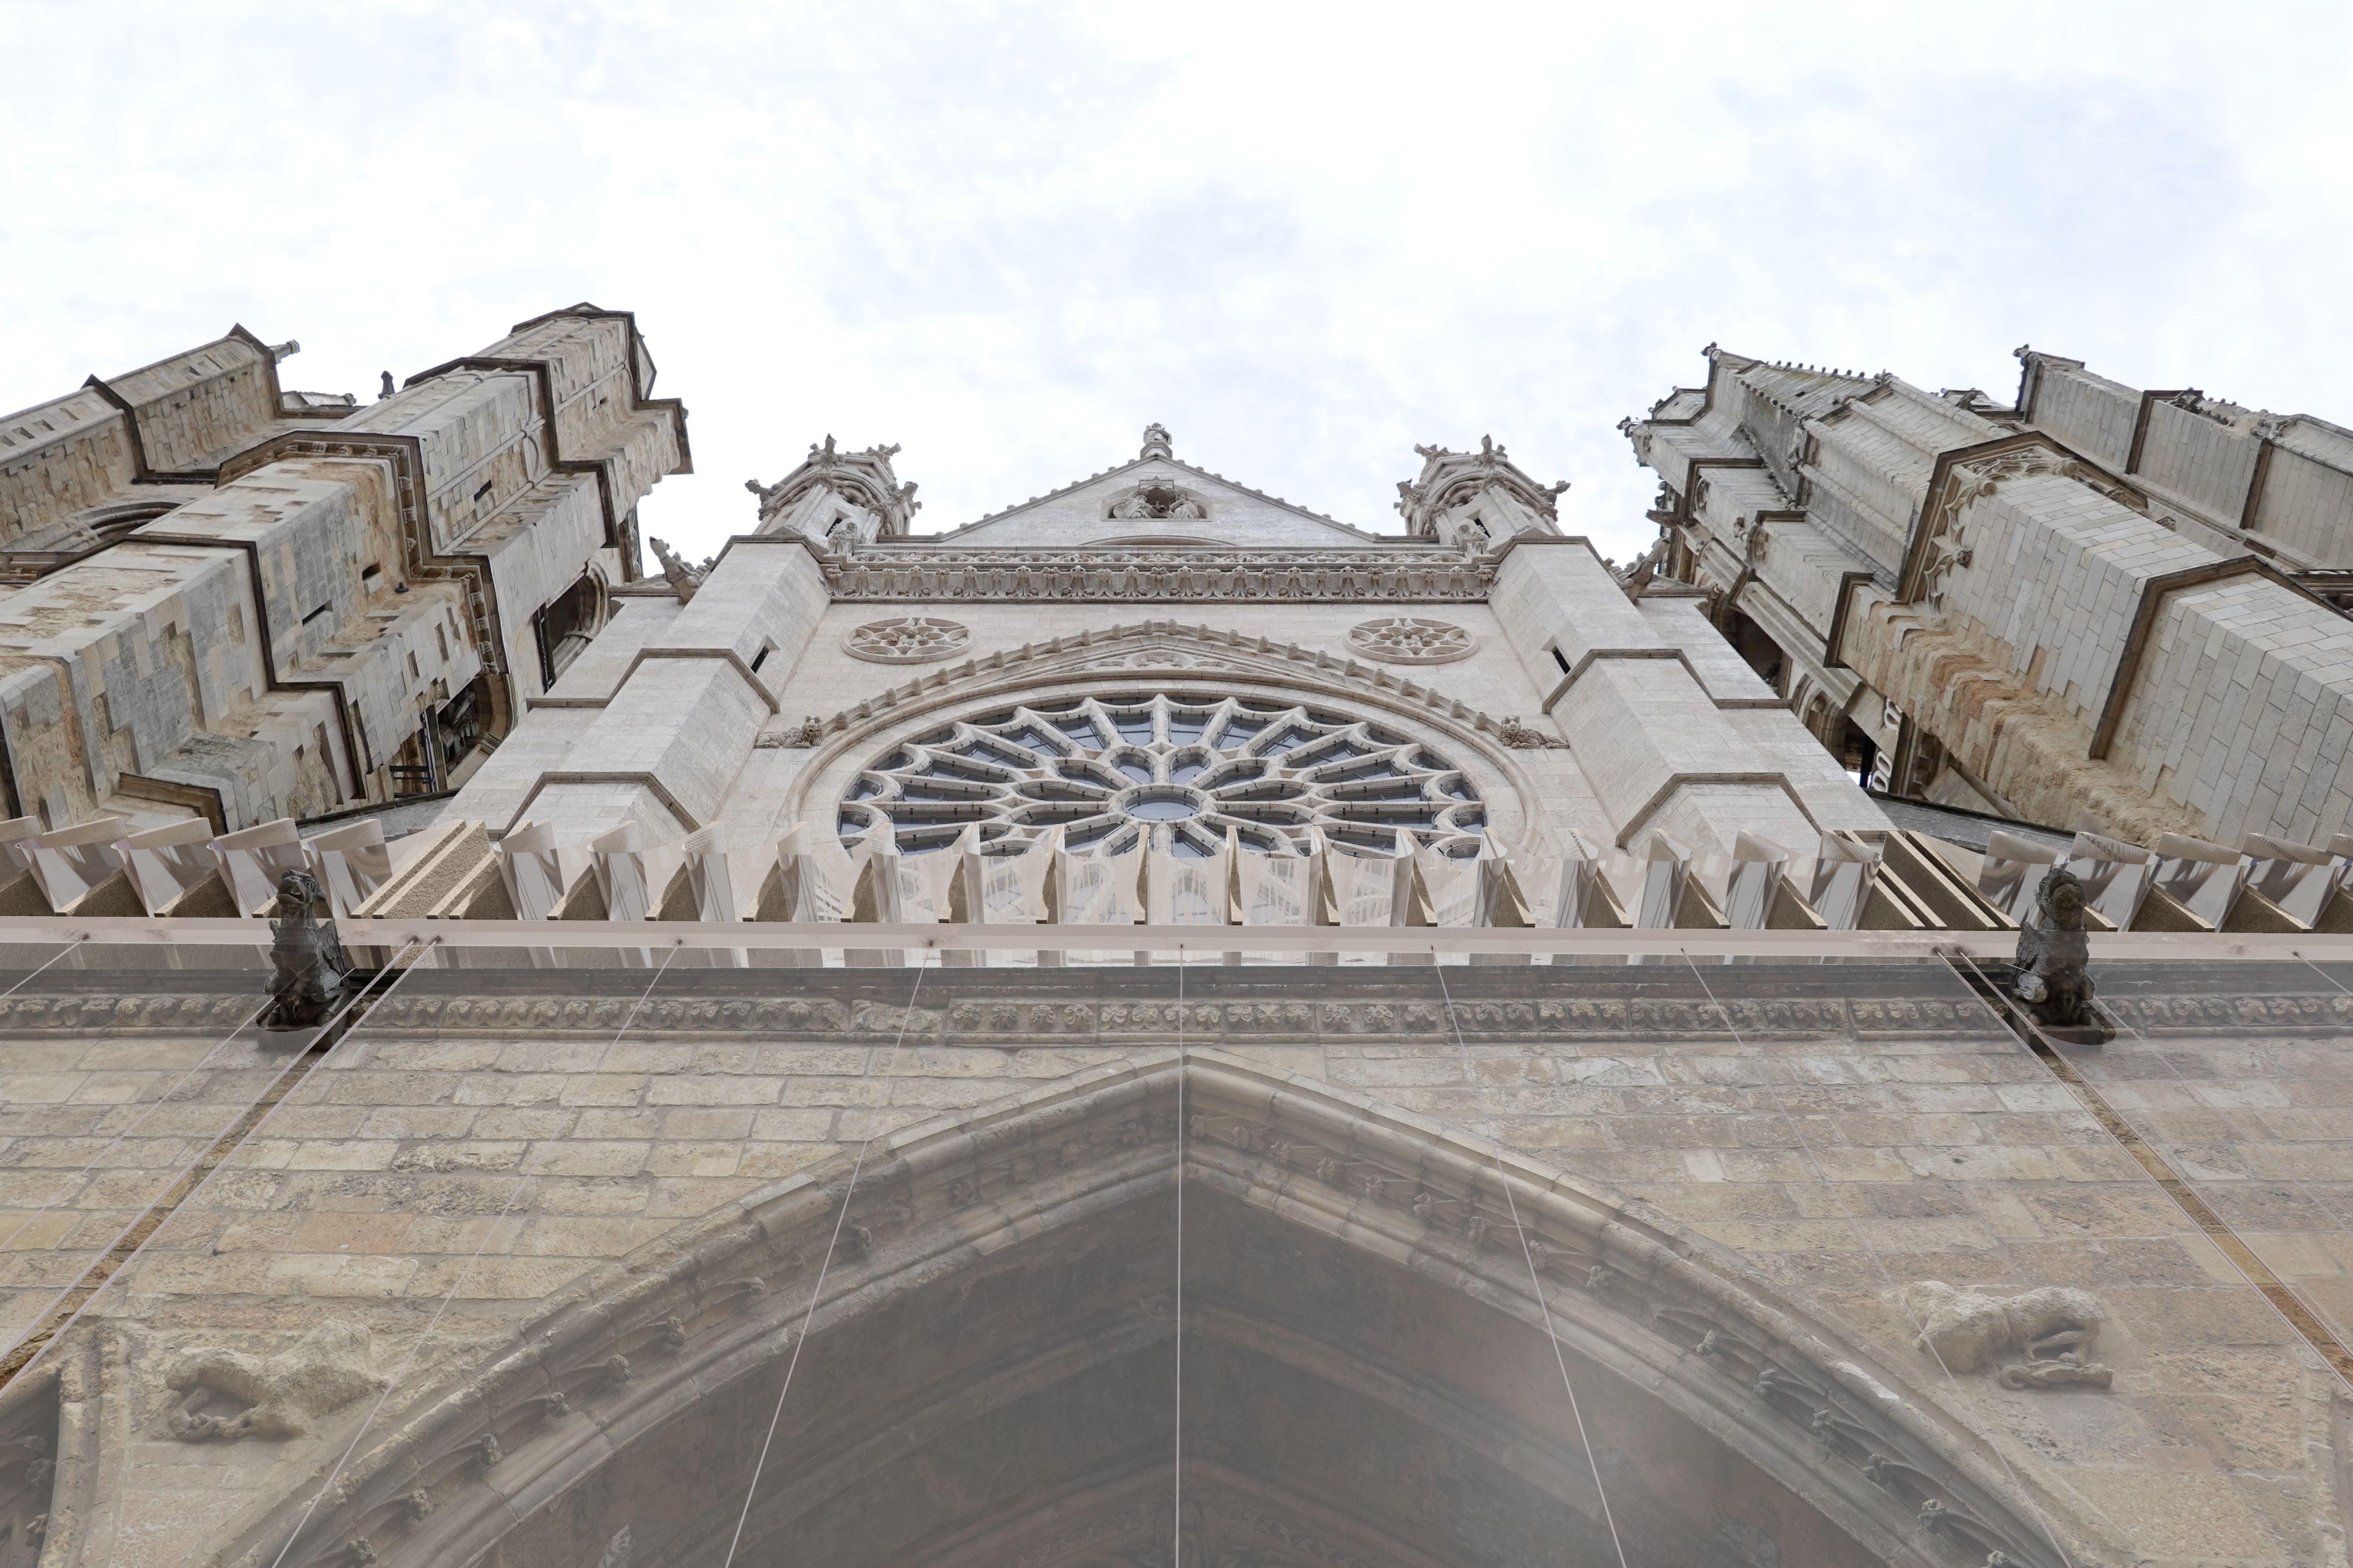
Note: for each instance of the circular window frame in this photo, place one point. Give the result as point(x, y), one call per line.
point(1031, 762)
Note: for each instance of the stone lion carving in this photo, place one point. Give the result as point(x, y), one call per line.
point(284, 1395)
point(2053, 1327)
point(307, 955)
point(2052, 952)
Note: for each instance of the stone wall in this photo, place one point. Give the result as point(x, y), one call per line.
point(490, 1145)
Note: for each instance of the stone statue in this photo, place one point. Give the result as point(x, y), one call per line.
point(2052, 953)
point(1159, 500)
point(1639, 575)
point(2053, 1327)
point(285, 1395)
point(308, 956)
point(683, 579)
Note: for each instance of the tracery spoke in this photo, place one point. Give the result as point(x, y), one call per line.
point(1186, 770)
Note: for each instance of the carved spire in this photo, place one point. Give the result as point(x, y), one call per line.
point(1156, 443)
point(863, 479)
point(1440, 502)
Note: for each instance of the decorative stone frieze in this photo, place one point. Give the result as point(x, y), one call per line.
point(1411, 639)
point(1167, 573)
point(907, 640)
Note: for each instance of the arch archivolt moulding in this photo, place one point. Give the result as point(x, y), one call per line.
point(1164, 655)
point(719, 1300)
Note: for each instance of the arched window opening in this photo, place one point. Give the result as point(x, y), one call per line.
point(1183, 771)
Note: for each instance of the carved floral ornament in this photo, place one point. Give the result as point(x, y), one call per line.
point(907, 640)
point(1411, 640)
point(648, 1341)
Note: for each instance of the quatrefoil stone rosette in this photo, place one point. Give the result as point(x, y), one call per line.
point(1411, 640)
point(907, 640)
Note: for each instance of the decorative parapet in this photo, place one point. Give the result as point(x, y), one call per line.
point(1176, 574)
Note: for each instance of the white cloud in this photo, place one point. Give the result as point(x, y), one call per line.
point(1306, 237)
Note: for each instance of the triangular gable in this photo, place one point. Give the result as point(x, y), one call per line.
point(1077, 514)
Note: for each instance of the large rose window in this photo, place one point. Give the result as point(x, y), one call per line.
point(1185, 770)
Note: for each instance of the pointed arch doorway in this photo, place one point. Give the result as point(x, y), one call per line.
point(991, 1373)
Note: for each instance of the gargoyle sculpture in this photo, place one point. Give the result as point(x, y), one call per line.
point(2052, 953)
point(683, 576)
point(308, 957)
point(2053, 1327)
point(284, 1395)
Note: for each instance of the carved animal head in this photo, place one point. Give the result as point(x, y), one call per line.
point(2059, 901)
point(298, 894)
point(1966, 1331)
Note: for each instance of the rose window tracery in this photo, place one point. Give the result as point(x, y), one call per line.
point(1411, 640)
point(907, 640)
point(1184, 769)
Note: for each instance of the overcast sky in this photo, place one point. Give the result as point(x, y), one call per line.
point(1303, 238)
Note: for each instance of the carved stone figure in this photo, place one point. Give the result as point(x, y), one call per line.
point(2053, 1327)
point(284, 1395)
point(2052, 953)
point(307, 955)
point(1639, 575)
point(1524, 737)
point(684, 579)
point(1159, 500)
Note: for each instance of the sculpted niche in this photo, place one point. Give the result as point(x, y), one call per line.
point(1156, 499)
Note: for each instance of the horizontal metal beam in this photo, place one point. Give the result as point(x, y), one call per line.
point(1270, 942)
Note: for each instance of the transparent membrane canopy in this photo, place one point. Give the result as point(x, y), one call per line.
point(1185, 769)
